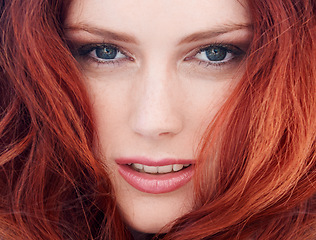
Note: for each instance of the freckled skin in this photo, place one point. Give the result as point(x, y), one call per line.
point(156, 98)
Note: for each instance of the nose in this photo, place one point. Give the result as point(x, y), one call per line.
point(157, 104)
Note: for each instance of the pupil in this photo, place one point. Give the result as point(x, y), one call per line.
point(106, 52)
point(216, 53)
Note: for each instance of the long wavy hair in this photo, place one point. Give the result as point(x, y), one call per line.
point(263, 138)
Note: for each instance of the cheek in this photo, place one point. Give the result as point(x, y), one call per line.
point(205, 98)
point(110, 104)
point(110, 110)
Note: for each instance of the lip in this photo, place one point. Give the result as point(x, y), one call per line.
point(155, 183)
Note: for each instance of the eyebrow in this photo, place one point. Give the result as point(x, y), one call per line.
point(123, 37)
point(118, 36)
point(214, 32)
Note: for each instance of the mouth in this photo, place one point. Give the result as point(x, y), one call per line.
point(158, 177)
point(158, 169)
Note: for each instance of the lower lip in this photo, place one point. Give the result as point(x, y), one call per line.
point(155, 184)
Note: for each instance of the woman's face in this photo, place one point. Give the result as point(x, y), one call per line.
point(156, 73)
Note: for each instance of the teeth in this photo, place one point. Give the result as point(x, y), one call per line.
point(150, 169)
point(138, 166)
point(177, 167)
point(165, 169)
point(160, 169)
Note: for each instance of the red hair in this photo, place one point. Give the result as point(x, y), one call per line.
point(266, 176)
point(52, 187)
point(262, 140)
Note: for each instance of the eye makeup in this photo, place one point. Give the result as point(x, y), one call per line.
point(211, 55)
point(216, 54)
point(100, 53)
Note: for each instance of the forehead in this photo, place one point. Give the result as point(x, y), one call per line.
point(171, 19)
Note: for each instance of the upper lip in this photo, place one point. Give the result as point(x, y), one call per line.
point(153, 162)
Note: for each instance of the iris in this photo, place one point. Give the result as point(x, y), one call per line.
point(216, 53)
point(106, 52)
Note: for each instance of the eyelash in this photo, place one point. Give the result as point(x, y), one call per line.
point(234, 52)
point(89, 52)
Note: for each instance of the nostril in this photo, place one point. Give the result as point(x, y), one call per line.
point(164, 133)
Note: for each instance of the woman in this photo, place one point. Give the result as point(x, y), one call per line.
point(192, 119)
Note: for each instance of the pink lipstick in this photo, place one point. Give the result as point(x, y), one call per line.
point(162, 176)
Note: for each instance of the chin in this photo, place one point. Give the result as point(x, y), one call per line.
point(153, 213)
point(148, 227)
point(152, 222)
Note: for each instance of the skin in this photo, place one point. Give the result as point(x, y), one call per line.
point(159, 93)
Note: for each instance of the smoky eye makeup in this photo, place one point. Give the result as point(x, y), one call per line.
point(96, 54)
point(100, 53)
point(216, 54)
